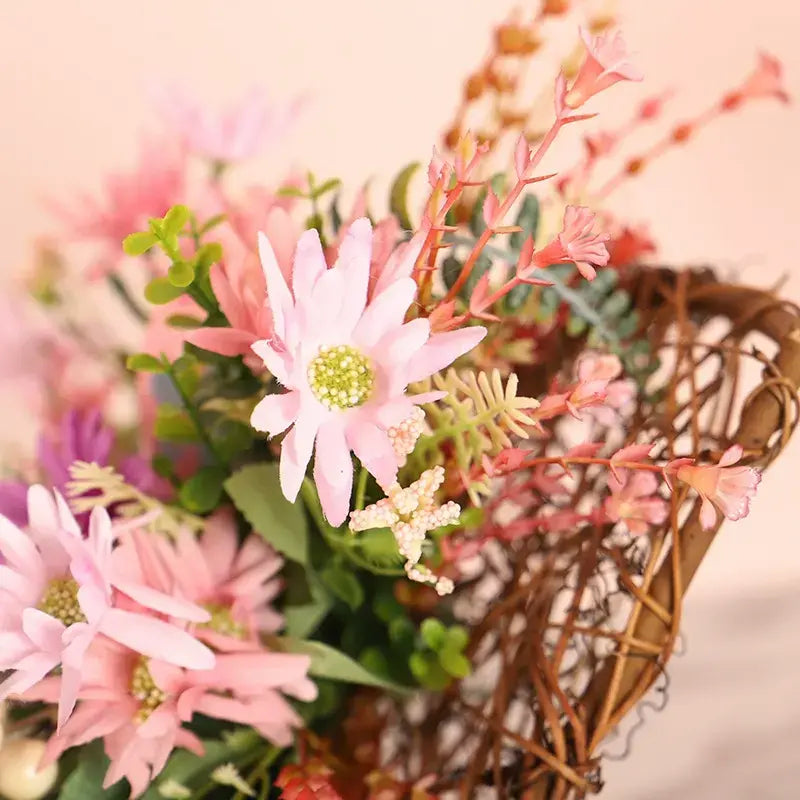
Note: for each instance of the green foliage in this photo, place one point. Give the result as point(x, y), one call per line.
point(192, 771)
point(343, 583)
point(451, 269)
point(85, 782)
point(328, 662)
point(161, 291)
point(144, 362)
point(136, 244)
point(202, 492)
point(186, 275)
point(307, 601)
point(256, 492)
point(180, 274)
point(440, 657)
point(173, 424)
point(398, 195)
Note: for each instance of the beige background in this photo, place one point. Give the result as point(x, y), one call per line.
point(384, 77)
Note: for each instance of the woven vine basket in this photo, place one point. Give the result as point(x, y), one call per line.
point(570, 630)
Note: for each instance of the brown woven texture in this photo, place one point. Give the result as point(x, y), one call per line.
point(570, 631)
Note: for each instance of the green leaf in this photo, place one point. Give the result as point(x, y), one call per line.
point(202, 492)
point(425, 667)
point(135, 244)
point(192, 771)
point(210, 223)
point(184, 321)
point(402, 633)
point(302, 619)
point(207, 255)
point(344, 584)
point(616, 304)
point(181, 274)
point(517, 297)
point(175, 220)
point(628, 325)
point(398, 195)
point(85, 782)
point(576, 325)
point(379, 546)
point(457, 637)
point(327, 662)
point(433, 632)
point(325, 187)
point(527, 219)
point(160, 291)
point(454, 662)
point(386, 607)
point(231, 437)
point(256, 492)
point(290, 191)
point(144, 362)
point(174, 425)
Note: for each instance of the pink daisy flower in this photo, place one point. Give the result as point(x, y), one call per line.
point(606, 63)
point(722, 485)
point(59, 592)
point(138, 705)
point(237, 133)
point(345, 363)
point(236, 585)
point(634, 501)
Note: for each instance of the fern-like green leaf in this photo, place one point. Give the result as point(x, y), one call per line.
point(477, 417)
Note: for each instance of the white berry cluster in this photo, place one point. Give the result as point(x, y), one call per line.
point(411, 513)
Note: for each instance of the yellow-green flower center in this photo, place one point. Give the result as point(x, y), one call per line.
point(145, 690)
point(60, 600)
point(222, 621)
point(341, 377)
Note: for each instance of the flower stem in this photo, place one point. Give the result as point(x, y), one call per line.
point(361, 488)
point(194, 415)
point(121, 290)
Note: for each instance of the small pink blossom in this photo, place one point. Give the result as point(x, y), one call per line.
point(606, 63)
point(722, 485)
point(577, 242)
point(634, 501)
point(60, 591)
point(346, 364)
point(766, 80)
point(238, 133)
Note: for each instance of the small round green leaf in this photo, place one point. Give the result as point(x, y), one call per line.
point(160, 291)
point(454, 662)
point(202, 492)
point(175, 219)
point(134, 244)
point(181, 274)
point(434, 633)
point(144, 362)
point(398, 195)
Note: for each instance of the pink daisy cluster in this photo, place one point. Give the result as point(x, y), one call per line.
point(131, 634)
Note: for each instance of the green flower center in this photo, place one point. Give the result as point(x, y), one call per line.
point(341, 377)
point(145, 690)
point(222, 621)
point(60, 600)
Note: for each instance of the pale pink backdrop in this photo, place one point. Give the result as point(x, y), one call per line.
point(384, 77)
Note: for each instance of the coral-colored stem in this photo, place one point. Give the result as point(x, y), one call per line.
point(502, 209)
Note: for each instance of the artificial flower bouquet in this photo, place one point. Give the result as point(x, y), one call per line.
point(408, 499)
